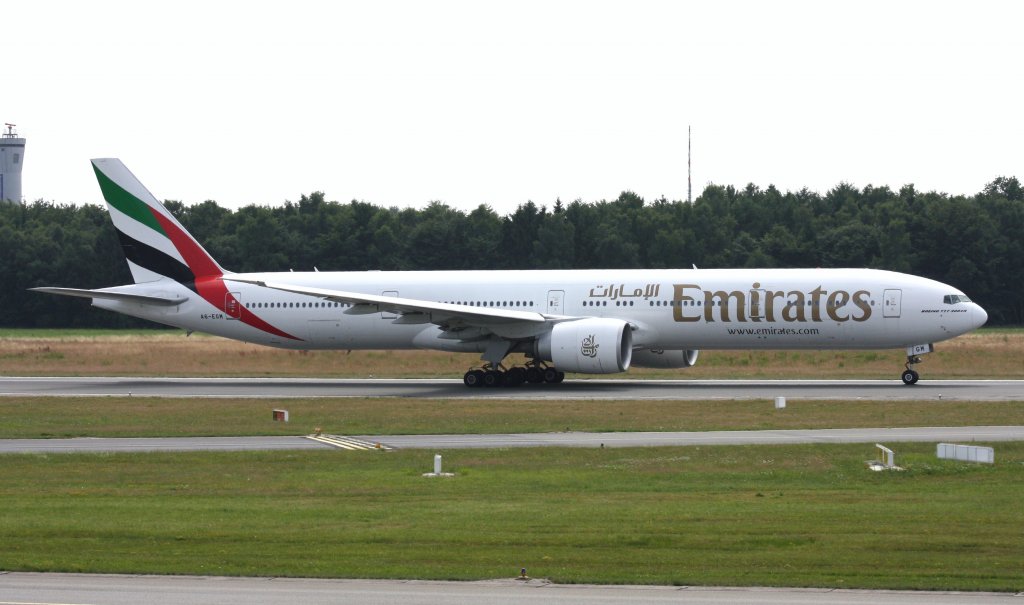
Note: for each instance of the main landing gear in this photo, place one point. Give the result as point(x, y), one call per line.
point(493, 376)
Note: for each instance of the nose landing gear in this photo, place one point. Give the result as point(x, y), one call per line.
point(910, 376)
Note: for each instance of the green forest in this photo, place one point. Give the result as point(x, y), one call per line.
point(971, 242)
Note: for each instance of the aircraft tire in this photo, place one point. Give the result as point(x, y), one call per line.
point(473, 378)
point(910, 377)
point(515, 377)
point(534, 375)
point(494, 378)
point(551, 375)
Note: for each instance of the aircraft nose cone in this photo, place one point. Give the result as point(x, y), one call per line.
point(980, 316)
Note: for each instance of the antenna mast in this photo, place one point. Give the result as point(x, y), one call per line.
point(689, 164)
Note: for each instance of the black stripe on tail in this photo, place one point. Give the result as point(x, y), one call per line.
point(156, 261)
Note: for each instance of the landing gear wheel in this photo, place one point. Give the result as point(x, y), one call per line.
point(494, 378)
point(560, 377)
point(473, 378)
point(551, 375)
point(534, 375)
point(515, 377)
point(910, 377)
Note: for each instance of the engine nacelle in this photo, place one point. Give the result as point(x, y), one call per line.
point(588, 346)
point(671, 358)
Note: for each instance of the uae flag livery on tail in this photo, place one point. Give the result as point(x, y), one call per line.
point(154, 242)
point(158, 247)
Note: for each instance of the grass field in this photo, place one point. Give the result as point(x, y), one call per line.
point(753, 515)
point(987, 353)
point(758, 515)
point(43, 417)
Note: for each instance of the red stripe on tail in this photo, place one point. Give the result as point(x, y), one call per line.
point(207, 275)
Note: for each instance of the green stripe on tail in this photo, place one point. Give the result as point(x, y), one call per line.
point(127, 203)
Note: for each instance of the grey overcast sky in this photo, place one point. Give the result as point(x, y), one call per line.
point(401, 103)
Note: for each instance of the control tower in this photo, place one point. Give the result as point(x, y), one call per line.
point(12, 156)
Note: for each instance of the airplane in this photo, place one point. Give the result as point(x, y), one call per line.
point(581, 321)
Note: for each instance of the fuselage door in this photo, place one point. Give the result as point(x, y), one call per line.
point(232, 305)
point(555, 298)
point(756, 303)
point(388, 314)
point(891, 303)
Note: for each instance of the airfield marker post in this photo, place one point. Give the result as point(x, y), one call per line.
point(888, 456)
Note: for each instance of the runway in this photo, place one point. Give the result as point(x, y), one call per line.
point(99, 589)
point(966, 434)
point(956, 390)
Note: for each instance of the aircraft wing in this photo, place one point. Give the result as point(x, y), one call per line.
point(414, 310)
point(112, 295)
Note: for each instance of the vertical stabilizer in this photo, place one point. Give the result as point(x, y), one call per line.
point(154, 242)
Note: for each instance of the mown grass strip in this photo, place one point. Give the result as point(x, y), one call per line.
point(47, 417)
point(985, 354)
point(757, 515)
point(65, 333)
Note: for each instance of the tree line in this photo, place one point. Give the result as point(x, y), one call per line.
point(971, 242)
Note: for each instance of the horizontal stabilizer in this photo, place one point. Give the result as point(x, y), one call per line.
point(120, 296)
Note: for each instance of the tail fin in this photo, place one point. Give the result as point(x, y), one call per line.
point(154, 242)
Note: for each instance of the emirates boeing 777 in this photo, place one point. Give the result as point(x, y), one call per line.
point(588, 322)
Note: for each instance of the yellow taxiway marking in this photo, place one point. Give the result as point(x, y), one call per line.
point(347, 443)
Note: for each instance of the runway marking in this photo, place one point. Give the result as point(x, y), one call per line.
point(348, 443)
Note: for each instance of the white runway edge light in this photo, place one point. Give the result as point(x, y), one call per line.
point(780, 403)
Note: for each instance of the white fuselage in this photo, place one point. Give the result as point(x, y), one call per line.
point(667, 309)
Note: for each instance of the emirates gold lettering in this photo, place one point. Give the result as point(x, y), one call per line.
point(860, 300)
point(720, 299)
point(794, 309)
point(758, 304)
point(681, 303)
point(836, 301)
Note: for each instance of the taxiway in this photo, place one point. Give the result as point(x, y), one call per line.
point(964, 434)
point(103, 589)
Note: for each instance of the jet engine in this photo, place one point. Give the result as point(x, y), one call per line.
point(588, 346)
point(659, 358)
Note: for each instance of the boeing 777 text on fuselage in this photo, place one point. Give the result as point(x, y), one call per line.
point(588, 322)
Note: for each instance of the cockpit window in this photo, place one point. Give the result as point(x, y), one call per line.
point(952, 299)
